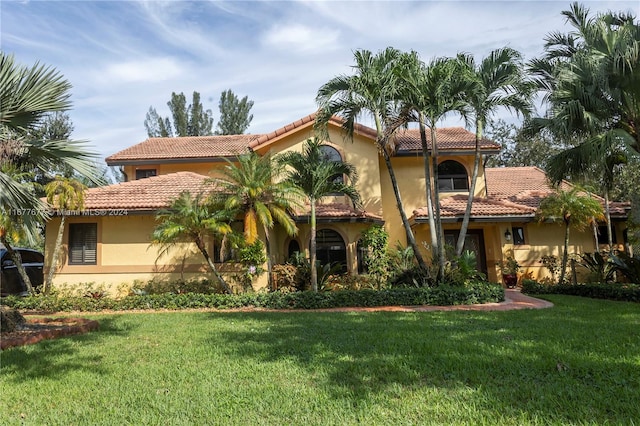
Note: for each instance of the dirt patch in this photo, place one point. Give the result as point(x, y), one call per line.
point(37, 329)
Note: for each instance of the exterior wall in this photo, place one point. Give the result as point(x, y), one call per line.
point(124, 254)
point(207, 169)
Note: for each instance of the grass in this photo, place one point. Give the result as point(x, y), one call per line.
point(576, 363)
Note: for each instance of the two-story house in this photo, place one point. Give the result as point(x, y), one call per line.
point(109, 242)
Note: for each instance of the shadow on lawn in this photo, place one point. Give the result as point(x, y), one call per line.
point(574, 363)
point(55, 358)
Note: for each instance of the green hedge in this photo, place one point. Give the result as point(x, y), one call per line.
point(622, 292)
point(444, 295)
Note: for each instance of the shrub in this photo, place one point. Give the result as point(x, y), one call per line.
point(10, 319)
point(479, 292)
point(412, 277)
point(628, 266)
point(601, 269)
point(615, 291)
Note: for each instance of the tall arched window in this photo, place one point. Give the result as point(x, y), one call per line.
point(293, 248)
point(452, 176)
point(332, 154)
point(330, 248)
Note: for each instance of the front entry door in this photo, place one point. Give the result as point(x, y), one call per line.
point(473, 241)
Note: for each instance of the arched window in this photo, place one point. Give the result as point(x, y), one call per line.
point(294, 247)
point(332, 154)
point(330, 248)
point(452, 176)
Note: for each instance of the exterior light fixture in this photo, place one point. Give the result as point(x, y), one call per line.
point(507, 235)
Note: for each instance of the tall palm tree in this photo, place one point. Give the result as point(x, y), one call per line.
point(191, 218)
point(498, 81)
point(318, 176)
point(63, 194)
point(249, 188)
point(372, 91)
point(591, 77)
point(574, 210)
point(429, 93)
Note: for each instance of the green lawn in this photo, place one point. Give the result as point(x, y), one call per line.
point(576, 363)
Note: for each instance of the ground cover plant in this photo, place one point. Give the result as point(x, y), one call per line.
point(576, 363)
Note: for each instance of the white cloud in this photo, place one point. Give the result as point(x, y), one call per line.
point(301, 38)
point(150, 70)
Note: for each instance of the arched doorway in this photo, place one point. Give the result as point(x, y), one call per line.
point(330, 248)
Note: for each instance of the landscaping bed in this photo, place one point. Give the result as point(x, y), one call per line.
point(38, 329)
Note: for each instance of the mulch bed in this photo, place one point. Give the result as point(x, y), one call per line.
point(37, 329)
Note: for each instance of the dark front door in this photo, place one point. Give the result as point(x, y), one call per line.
point(473, 241)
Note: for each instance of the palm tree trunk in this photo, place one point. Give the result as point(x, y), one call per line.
point(607, 212)
point(565, 254)
point(212, 266)
point(54, 259)
point(411, 240)
point(472, 191)
point(429, 190)
point(312, 247)
point(436, 202)
point(15, 256)
point(267, 247)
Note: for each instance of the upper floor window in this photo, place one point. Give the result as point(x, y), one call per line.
point(518, 235)
point(452, 176)
point(83, 241)
point(332, 154)
point(145, 173)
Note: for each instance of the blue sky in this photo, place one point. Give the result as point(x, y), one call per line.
point(123, 57)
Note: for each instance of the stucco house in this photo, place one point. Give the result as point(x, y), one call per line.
point(109, 242)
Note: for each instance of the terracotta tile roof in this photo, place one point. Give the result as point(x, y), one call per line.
point(449, 139)
point(513, 192)
point(145, 194)
point(338, 211)
point(196, 147)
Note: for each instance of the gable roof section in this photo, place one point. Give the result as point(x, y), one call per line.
point(514, 192)
point(183, 149)
point(145, 194)
point(450, 139)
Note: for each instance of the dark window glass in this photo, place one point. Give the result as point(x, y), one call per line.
point(145, 173)
point(452, 176)
point(603, 236)
point(294, 247)
point(518, 235)
point(330, 248)
point(332, 154)
point(83, 243)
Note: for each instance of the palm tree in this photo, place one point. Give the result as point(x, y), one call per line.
point(249, 188)
point(498, 81)
point(63, 194)
point(574, 210)
point(371, 91)
point(28, 94)
point(190, 218)
point(318, 176)
point(429, 93)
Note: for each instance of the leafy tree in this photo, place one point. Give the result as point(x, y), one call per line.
point(574, 210)
point(318, 176)
point(234, 114)
point(190, 218)
point(188, 120)
point(63, 194)
point(28, 94)
point(371, 91)
point(498, 81)
point(248, 188)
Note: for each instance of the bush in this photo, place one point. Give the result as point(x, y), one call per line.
point(10, 319)
point(616, 291)
point(479, 292)
point(412, 277)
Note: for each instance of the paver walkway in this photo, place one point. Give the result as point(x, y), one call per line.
point(514, 299)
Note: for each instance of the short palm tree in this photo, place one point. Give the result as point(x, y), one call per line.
point(63, 194)
point(192, 219)
point(572, 209)
point(498, 81)
point(249, 188)
point(372, 91)
point(318, 176)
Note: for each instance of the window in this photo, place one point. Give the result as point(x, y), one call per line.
point(452, 176)
point(518, 235)
point(603, 234)
point(145, 173)
point(83, 242)
point(294, 247)
point(332, 154)
point(330, 248)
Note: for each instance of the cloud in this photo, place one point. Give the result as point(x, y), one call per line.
point(301, 38)
point(149, 70)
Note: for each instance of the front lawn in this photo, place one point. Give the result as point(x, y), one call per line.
point(578, 362)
